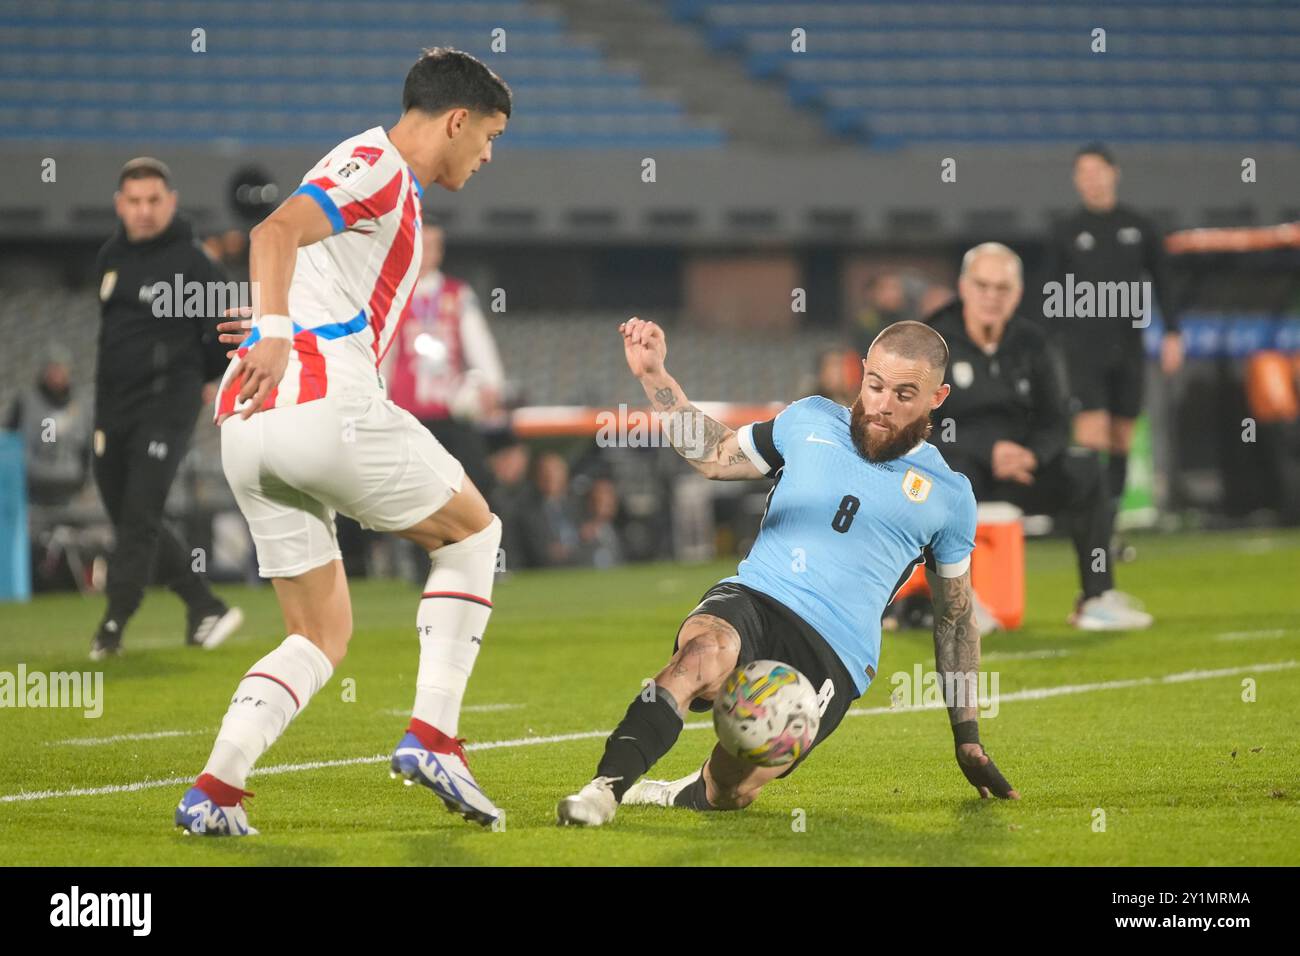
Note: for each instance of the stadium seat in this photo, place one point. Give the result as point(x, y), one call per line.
point(1208, 75)
point(71, 72)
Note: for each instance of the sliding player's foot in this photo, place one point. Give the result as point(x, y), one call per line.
point(592, 806)
point(198, 813)
point(447, 775)
point(658, 793)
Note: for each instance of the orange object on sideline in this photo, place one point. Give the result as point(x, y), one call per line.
point(914, 585)
point(1271, 387)
point(998, 562)
point(997, 565)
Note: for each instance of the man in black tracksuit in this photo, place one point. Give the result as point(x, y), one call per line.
point(1105, 242)
point(1005, 426)
point(153, 360)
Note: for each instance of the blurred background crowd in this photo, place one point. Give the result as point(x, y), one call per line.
point(774, 204)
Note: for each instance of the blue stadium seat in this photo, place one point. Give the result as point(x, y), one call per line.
point(1020, 70)
point(102, 70)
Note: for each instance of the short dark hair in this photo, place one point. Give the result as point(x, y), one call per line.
point(915, 340)
point(145, 167)
point(444, 79)
point(1100, 150)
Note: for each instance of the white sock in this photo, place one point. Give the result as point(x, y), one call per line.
point(271, 694)
point(453, 614)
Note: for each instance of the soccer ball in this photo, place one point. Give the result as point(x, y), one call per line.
point(767, 714)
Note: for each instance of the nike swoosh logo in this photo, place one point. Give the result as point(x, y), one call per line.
point(466, 781)
point(820, 441)
point(454, 775)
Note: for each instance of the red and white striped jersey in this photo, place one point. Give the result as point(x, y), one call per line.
point(349, 289)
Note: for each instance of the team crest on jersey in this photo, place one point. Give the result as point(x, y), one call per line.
point(916, 486)
point(107, 284)
point(352, 168)
point(963, 374)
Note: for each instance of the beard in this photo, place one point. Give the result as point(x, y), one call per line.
point(877, 446)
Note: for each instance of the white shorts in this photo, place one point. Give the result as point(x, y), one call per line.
point(352, 452)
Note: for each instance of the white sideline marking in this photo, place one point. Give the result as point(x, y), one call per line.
point(1251, 635)
point(1042, 693)
point(1038, 693)
point(161, 734)
point(1259, 545)
point(118, 738)
point(1025, 655)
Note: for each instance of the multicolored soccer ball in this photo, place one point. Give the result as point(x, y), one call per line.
point(767, 714)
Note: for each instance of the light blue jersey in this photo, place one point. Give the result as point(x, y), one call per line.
point(841, 534)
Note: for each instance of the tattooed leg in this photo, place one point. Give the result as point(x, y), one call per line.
point(708, 650)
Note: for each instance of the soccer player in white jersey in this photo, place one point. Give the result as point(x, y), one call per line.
point(307, 430)
point(860, 498)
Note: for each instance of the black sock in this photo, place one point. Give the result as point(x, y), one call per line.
point(1117, 476)
point(694, 797)
point(647, 731)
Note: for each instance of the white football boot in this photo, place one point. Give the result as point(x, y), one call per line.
point(211, 630)
point(658, 793)
point(592, 806)
point(1111, 611)
point(984, 619)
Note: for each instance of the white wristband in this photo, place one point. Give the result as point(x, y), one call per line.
point(274, 326)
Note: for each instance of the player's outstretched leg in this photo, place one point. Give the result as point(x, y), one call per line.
point(723, 783)
point(318, 614)
point(452, 616)
point(708, 650)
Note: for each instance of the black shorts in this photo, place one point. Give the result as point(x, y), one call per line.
point(1106, 376)
point(770, 631)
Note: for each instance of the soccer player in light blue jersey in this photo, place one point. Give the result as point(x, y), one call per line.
point(859, 499)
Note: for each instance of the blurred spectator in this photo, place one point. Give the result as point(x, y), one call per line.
point(511, 495)
point(230, 248)
point(886, 303)
point(1009, 429)
point(550, 530)
point(933, 298)
point(600, 545)
point(838, 375)
point(1105, 241)
point(55, 425)
point(443, 366)
point(151, 366)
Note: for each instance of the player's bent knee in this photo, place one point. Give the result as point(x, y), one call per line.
point(464, 515)
point(703, 660)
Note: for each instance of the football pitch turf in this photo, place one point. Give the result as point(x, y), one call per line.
point(1127, 748)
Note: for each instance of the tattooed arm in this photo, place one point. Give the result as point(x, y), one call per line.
point(957, 660)
point(956, 644)
point(710, 447)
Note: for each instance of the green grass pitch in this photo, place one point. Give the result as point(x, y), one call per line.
point(1185, 771)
